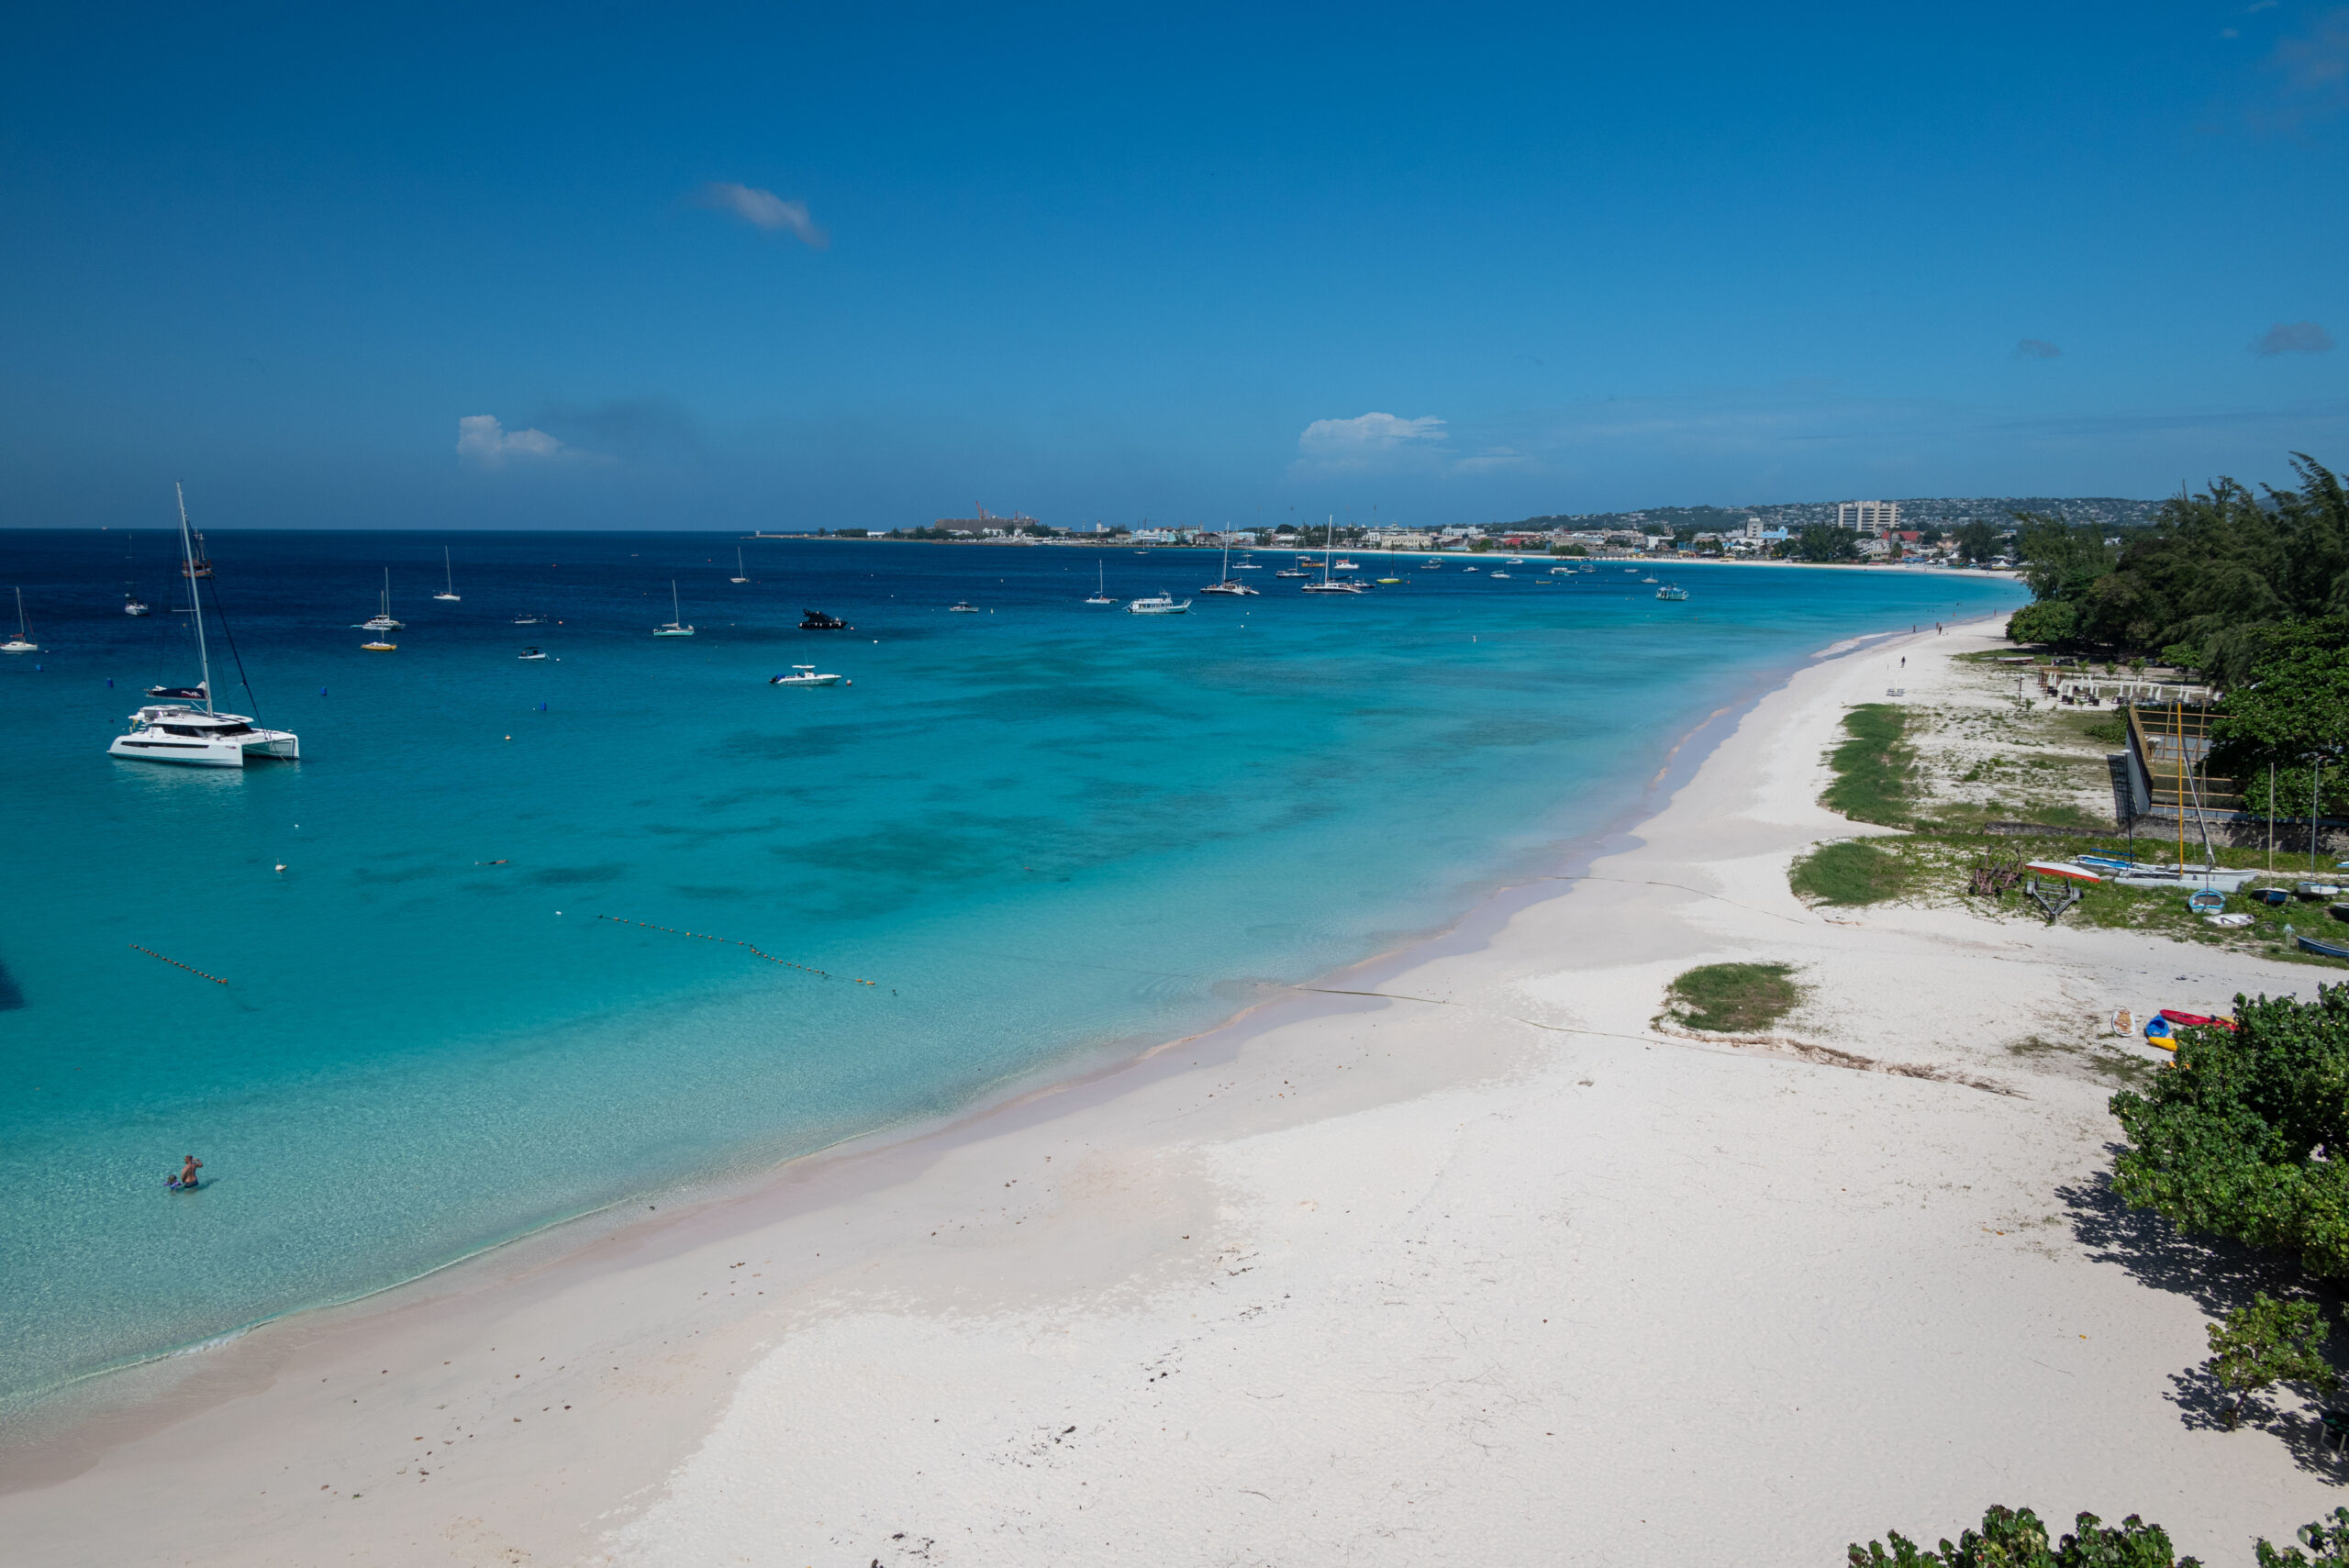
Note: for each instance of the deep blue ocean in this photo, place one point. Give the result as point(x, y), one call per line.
point(1043, 830)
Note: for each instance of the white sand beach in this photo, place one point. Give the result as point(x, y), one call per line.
point(1460, 1260)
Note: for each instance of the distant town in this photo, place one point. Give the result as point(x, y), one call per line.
point(1957, 531)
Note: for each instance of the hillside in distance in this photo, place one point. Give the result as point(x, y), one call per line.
point(1920, 511)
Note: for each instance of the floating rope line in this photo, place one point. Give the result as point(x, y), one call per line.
point(705, 936)
point(176, 963)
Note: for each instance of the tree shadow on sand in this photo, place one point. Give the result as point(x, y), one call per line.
point(2218, 1276)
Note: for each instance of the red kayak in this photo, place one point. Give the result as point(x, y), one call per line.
point(2195, 1020)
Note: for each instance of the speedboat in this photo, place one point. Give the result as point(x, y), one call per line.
point(1501, 577)
point(1515, 560)
point(961, 608)
point(817, 620)
point(802, 675)
point(1431, 564)
point(1344, 566)
point(186, 730)
point(525, 619)
point(1389, 582)
point(22, 642)
point(529, 653)
point(1158, 605)
point(676, 626)
point(1292, 571)
point(132, 605)
point(1472, 569)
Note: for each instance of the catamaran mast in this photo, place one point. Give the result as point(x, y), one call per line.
point(195, 597)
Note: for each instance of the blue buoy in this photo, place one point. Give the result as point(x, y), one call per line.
point(542, 707)
point(109, 685)
point(322, 691)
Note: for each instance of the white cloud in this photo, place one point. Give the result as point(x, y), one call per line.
point(763, 209)
point(1369, 440)
point(2293, 338)
point(483, 440)
point(2037, 349)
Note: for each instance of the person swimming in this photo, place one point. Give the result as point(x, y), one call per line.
point(185, 1180)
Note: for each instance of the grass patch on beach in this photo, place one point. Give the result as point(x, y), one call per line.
point(1733, 998)
point(1854, 871)
point(1872, 768)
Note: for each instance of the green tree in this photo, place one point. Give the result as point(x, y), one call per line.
point(2050, 621)
point(1977, 540)
point(2330, 1542)
point(1480, 544)
point(1823, 541)
point(2232, 1141)
point(2294, 708)
point(2061, 561)
point(2267, 1343)
point(2014, 1538)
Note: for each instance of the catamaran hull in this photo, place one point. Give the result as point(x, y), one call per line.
point(204, 753)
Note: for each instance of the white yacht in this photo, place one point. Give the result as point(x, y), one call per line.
point(803, 675)
point(1228, 583)
point(962, 607)
point(188, 731)
point(1158, 605)
point(132, 605)
point(1330, 585)
point(1499, 577)
point(676, 626)
point(740, 575)
point(22, 642)
point(530, 653)
point(382, 620)
point(449, 576)
point(1100, 594)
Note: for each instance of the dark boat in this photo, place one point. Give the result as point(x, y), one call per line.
point(2272, 895)
point(180, 693)
point(2325, 949)
point(817, 620)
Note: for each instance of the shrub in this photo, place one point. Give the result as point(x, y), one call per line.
point(1733, 998)
point(1872, 767)
point(2015, 1539)
point(1853, 871)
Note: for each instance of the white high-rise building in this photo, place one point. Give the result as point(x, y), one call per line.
point(1868, 516)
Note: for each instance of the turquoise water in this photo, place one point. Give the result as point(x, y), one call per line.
point(1040, 831)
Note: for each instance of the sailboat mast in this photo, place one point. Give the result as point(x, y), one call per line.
point(676, 615)
point(195, 597)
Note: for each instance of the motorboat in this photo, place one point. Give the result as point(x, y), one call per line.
point(382, 620)
point(1515, 560)
point(2315, 890)
point(22, 642)
point(448, 595)
point(1158, 605)
point(1345, 566)
point(1672, 593)
point(132, 605)
point(1292, 571)
point(817, 620)
point(1499, 576)
point(960, 607)
point(740, 575)
point(1647, 581)
point(186, 730)
point(803, 675)
point(529, 653)
point(1431, 564)
point(676, 626)
point(525, 619)
point(1389, 582)
point(1100, 594)
point(1472, 569)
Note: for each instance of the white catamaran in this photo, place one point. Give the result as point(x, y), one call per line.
point(676, 626)
point(188, 731)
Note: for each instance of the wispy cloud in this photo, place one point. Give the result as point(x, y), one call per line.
point(482, 439)
point(2314, 67)
point(2037, 349)
point(763, 209)
point(1372, 440)
point(2293, 338)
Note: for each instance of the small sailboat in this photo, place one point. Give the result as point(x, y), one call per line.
point(382, 622)
point(1330, 585)
point(676, 626)
point(22, 642)
point(132, 605)
point(1499, 576)
point(1100, 594)
point(449, 576)
point(803, 675)
point(740, 574)
point(1228, 584)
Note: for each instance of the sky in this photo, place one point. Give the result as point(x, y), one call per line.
point(785, 267)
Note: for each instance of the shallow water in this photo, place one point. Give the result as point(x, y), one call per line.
point(1040, 831)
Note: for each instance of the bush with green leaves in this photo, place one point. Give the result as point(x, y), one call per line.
point(2050, 621)
point(2011, 1537)
point(2330, 1542)
point(2267, 1343)
point(2293, 709)
point(2245, 1136)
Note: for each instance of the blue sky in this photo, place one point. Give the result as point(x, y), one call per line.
point(713, 267)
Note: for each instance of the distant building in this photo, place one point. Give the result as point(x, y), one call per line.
point(1868, 516)
point(985, 523)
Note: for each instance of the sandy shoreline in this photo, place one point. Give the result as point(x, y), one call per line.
point(1480, 1267)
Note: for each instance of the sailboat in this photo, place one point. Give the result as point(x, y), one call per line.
point(1230, 584)
point(740, 574)
point(382, 622)
point(449, 576)
point(132, 605)
point(188, 730)
point(22, 642)
point(1101, 589)
point(676, 626)
point(1330, 585)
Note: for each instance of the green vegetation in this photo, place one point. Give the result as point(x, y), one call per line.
point(2234, 1141)
point(2267, 1343)
point(1733, 998)
point(2205, 584)
point(1824, 541)
point(1848, 872)
point(2294, 708)
point(2015, 1539)
point(1872, 768)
